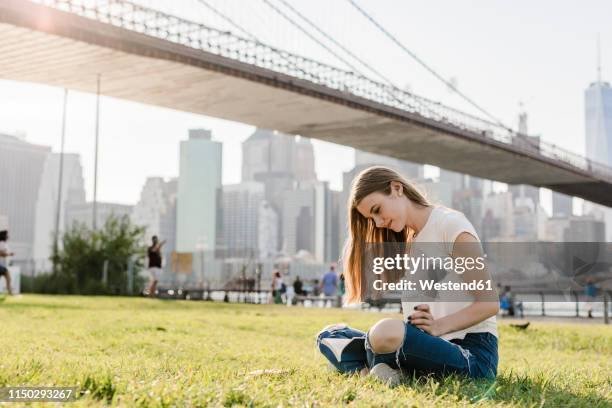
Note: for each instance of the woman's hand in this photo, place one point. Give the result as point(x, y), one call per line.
point(423, 319)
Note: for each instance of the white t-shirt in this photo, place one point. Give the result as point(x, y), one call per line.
point(4, 259)
point(441, 230)
point(278, 284)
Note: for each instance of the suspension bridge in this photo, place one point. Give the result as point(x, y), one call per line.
point(146, 55)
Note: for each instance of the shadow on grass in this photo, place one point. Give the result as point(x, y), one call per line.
point(509, 388)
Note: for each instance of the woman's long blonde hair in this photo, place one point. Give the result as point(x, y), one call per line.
point(362, 230)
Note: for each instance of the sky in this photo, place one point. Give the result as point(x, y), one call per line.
point(541, 54)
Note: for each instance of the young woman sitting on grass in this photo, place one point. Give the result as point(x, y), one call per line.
point(436, 338)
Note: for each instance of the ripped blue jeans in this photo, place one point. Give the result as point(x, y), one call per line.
point(475, 356)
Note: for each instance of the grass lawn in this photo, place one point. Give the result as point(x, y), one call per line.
point(142, 352)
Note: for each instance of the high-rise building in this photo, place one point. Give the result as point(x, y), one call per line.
point(198, 190)
point(240, 218)
point(73, 193)
point(307, 223)
point(584, 229)
point(347, 180)
point(267, 231)
point(337, 207)
point(304, 160)
point(268, 152)
point(523, 140)
point(279, 162)
point(598, 122)
point(561, 205)
point(467, 194)
point(21, 167)
point(156, 210)
point(598, 128)
point(575, 229)
point(498, 220)
point(411, 171)
point(437, 191)
point(82, 213)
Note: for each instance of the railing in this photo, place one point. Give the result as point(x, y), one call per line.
point(154, 23)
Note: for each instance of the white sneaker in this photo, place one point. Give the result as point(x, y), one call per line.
point(383, 373)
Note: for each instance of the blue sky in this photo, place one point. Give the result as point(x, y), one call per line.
point(542, 54)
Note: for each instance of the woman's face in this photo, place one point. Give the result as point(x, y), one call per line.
point(387, 211)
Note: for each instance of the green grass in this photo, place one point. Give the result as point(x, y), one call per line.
point(142, 352)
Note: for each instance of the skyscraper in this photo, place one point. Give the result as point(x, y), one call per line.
point(73, 193)
point(466, 195)
point(156, 210)
point(307, 220)
point(82, 213)
point(279, 162)
point(198, 185)
point(598, 122)
point(522, 191)
point(267, 231)
point(267, 152)
point(240, 213)
point(561, 205)
point(407, 169)
point(21, 167)
point(598, 128)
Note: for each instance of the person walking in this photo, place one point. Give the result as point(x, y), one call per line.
point(329, 282)
point(329, 285)
point(277, 287)
point(155, 263)
point(590, 291)
point(5, 253)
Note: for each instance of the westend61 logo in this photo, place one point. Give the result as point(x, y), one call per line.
point(442, 271)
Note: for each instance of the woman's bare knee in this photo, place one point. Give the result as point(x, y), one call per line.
point(386, 335)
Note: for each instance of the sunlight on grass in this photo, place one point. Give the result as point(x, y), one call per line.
point(132, 351)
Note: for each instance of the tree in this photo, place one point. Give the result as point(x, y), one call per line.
point(86, 254)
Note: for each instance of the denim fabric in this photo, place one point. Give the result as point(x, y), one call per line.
point(343, 347)
point(421, 353)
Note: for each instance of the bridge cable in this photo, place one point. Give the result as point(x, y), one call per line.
point(309, 35)
point(249, 34)
point(228, 20)
point(254, 38)
point(322, 32)
point(343, 48)
point(427, 67)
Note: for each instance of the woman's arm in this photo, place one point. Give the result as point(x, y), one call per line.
point(484, 306)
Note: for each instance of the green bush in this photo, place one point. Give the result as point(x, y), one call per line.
point(80, 263)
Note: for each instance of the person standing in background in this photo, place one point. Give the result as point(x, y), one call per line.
point(4, 263)
point(155, 263)
point(277, 287)
point(591, 292)
point(329, 283)
point(341, 290)
point(297, 286)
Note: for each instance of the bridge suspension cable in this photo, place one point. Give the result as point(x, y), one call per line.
point(309, 35)
point(391, 91)
point(338, 44)
point(426, 66)
point(245, 31)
